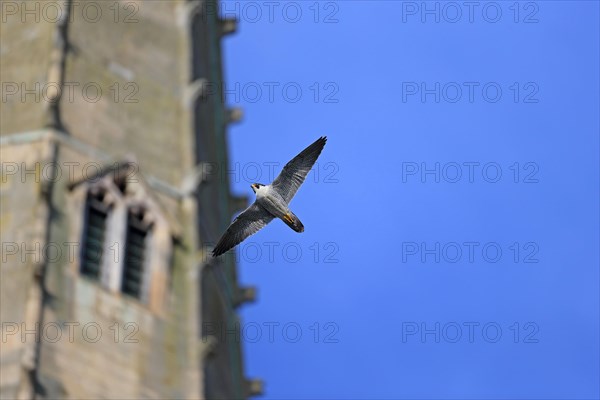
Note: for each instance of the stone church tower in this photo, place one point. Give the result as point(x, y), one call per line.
point(111, 198)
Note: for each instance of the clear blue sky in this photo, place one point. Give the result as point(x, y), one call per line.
point(397, 284)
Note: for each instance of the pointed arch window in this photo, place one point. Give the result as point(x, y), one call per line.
point(96, 215)
point(134, 264)
point(125, 234)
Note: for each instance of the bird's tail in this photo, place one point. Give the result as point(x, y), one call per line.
point(293, 222)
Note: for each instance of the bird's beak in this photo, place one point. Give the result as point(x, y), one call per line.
point(253, 188)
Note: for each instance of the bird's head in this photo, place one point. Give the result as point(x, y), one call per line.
point(256, 186)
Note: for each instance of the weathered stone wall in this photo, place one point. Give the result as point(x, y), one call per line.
point(135, 57)
point(92, 342)
point(25, 52)
point(139, 57)
point(23, 228)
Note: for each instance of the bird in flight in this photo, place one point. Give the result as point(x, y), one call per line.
point(272, 201)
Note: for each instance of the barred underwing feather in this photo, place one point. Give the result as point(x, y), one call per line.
point(253, 219)
point(293, 174)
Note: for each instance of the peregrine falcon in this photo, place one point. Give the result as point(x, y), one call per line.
point(272, 201)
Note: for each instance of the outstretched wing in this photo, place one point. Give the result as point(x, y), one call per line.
point(253, 219)
point(293, 174)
